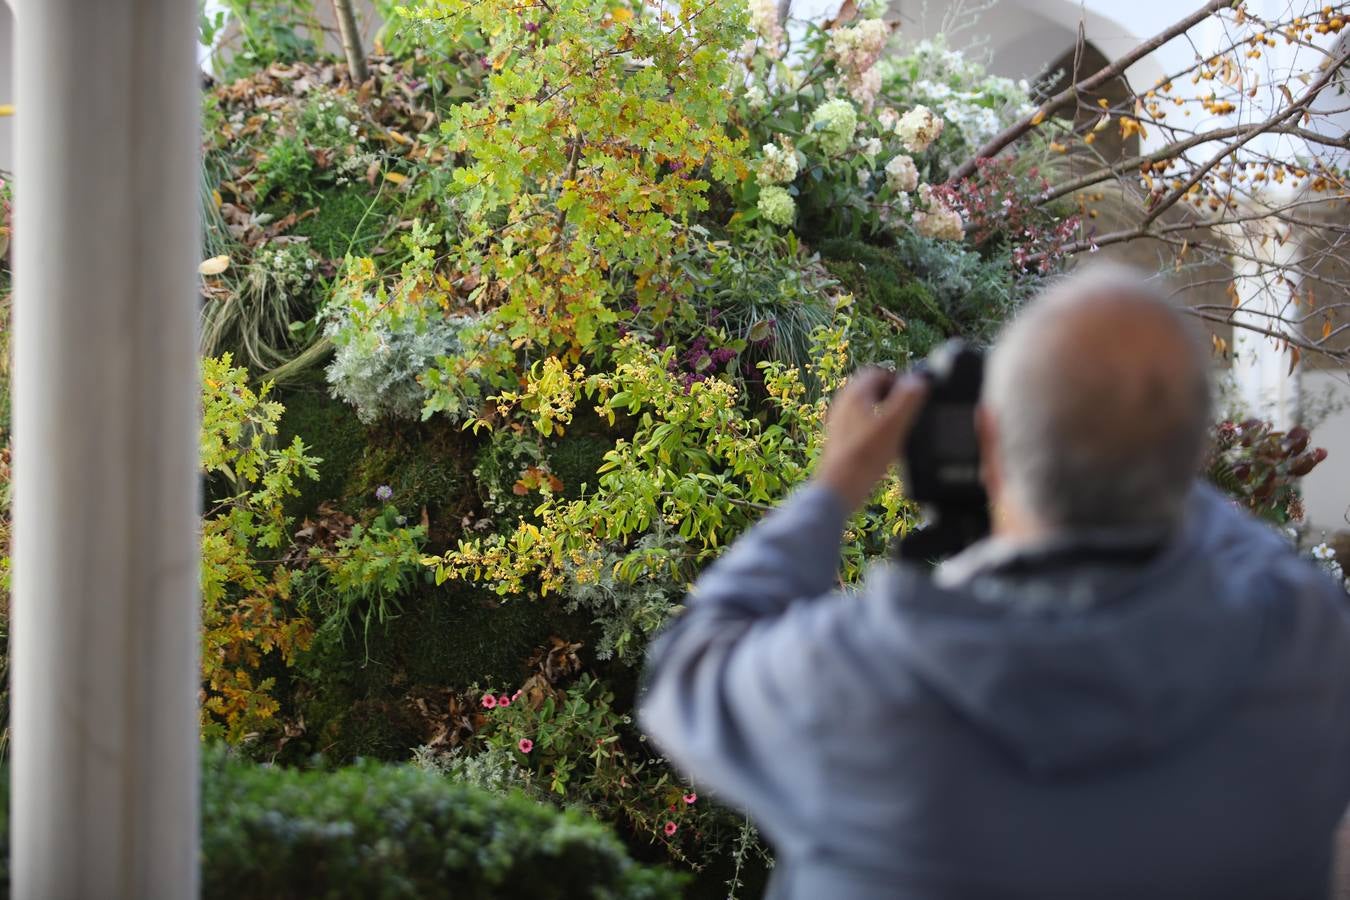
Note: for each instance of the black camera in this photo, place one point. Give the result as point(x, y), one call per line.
point(942, 456)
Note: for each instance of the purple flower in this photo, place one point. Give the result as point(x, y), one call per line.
point(531, 27)
point(384, 493)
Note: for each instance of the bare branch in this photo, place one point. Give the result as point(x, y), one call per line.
point(1070, 94)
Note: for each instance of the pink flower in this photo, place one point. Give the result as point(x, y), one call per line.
point(689, 798)
point(525, 745)
point(516, 695)
point(670, 828)
point(489, 701)
point(503, 700)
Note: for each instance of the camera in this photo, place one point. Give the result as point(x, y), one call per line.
point(942, 456)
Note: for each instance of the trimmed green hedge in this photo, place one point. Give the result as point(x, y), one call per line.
point(383, 831)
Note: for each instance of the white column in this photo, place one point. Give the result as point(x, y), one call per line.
point(104, 636)
point(1265, 277)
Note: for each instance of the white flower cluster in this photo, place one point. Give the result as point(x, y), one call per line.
point(777, 206)
point(918, 129)
point(939, 220)
point(979, 105)
point(288, 267)
point(764, 20)
point(1325, 556)
point(856, 49)
point(901, 174)
point(837, 122)
point(779, 165)
point(755, 97)
point(353, 165)
point(329, 119)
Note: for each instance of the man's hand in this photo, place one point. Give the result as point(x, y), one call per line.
point(868, 423)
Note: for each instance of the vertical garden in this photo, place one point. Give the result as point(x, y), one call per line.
point(502, 343)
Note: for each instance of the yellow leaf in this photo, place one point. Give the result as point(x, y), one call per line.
point(6, 109)
point(395, 177)
point(1039, 117)
point(214, 266)
point(215, 196)
point(621, 14)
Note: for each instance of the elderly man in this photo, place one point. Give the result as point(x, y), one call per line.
point(1131, 689)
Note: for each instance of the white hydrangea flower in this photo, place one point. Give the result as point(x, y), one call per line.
point(918, 128)
point(939, 220)
point(755, 97)
point(856, 48)
point(779, 165)
point(777, 206)
point(764, 20)
point(902, 174)
point(870, 148)
point(837, 122)
point(865, 87)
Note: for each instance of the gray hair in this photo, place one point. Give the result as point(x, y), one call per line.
point(1100, 394)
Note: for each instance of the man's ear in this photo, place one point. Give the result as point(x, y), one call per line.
point(986, 432)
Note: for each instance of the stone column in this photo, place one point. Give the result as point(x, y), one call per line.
point(1265, 277)
point(104, 636)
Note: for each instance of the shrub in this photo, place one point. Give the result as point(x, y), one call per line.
point(382, 346)
point(249, 617)
point(373, 830)
point(1259, 467)
point(389, 831)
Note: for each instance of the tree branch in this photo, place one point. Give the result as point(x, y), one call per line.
point(1086, 86)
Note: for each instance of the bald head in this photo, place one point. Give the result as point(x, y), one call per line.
point(1098, 398)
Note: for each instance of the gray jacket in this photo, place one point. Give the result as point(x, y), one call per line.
point(1034, 724)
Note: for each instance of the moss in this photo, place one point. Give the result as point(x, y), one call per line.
point(350, 219)
point(448, 636)
point(455, 635)
point(878, 279)
point(575, 459)
point(898, 319)
point(331, 432)
point(429, 467)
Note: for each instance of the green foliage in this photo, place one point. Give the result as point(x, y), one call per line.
point(247, 609)
point(766, 293)
point(350, 219)
point(270, 31)
point(272, 293)
point(698, 464)
point(285, 168)
point(368, 570)
point(384, 343)
point(628, 613)
point(334, 434)
point(582, 165)
point(1260, 467)
point(577, 747)
point(393, 831)
point(899, 318)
